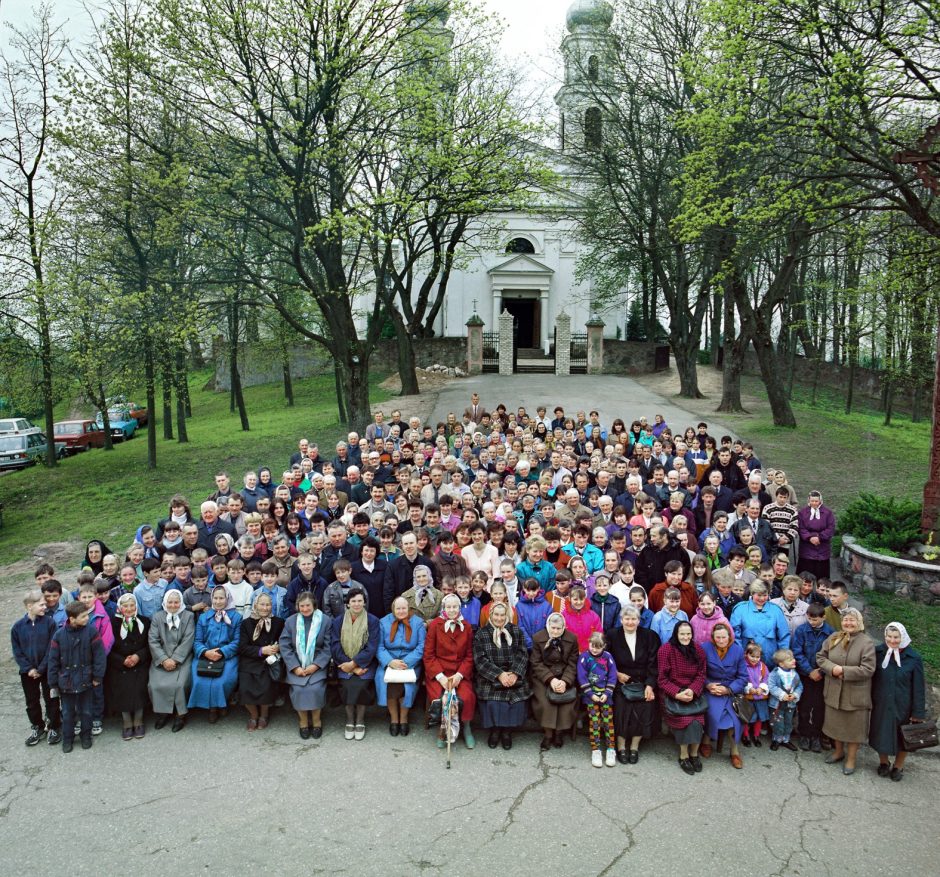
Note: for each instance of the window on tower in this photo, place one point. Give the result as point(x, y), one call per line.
point(594, 68)
point(520, 245)
point(593, 128)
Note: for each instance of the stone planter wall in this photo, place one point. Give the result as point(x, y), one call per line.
point(870, 571)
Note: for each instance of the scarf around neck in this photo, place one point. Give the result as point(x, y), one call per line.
point(306, 640)
point(895, 654)
point(354, 633)
point(404, 624)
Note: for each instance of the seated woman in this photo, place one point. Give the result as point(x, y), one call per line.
point(635, 650)
point(257, 645)
point(501, 660)
point(354, 643)
point(401, 647)
point(682, 679)
point(216, 640)
point(171, 636)
point(128, 666)
point(553, 667)
point(448, 662)
point(725, 675)
point(305, 648)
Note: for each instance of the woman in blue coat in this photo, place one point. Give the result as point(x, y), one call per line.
point(354, 644)
point(725, 675)
point(401, 647)
point(217, 634)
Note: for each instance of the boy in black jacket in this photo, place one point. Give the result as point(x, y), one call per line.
point(76, 667)
point(31, 636)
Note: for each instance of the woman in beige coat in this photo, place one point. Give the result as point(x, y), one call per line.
point(847, 659)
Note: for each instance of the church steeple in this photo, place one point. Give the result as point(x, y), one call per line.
point(588, 52)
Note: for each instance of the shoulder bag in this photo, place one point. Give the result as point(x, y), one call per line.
point(694, 707)
point(633, 691)
point(743, 708)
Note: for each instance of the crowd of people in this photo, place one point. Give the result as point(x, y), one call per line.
point(610, 578)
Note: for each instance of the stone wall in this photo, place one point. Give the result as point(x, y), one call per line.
point(868, 571)
point(261, 363)
point(633, 358)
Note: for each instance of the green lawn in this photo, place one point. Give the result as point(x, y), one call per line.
point(108, 495)
point(922, 623)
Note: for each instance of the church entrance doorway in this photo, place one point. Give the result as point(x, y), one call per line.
point(526, 321)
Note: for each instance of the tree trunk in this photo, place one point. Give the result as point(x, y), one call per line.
point(685, 352)
point(770, 374)
point(166, 382)
point(237, 389)
point(850, 389)
point(406, 356)
point(195, 348)
point(340, 391)
point(288, 382)
point(734, 343)
point(717, 309)
point(354, 375)
point(105, 421)
point(181, 397)
point(150, 381)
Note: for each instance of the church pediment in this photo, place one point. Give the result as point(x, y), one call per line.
point(521, 264)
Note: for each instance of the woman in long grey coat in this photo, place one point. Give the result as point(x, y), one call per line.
point(171, 636)
point(305, 648)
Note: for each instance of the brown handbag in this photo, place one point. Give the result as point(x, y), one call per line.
point(919, 735)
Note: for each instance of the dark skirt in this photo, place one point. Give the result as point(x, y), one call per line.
point(498, 714)
point(819, 568)
point(633, 718)
point(255, 686)
point(127, 690)
point(358, 691)
point(690, 734)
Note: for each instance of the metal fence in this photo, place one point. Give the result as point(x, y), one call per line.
point(491, 351)
point(579, 350)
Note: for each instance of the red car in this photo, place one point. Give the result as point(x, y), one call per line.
point(79, 435)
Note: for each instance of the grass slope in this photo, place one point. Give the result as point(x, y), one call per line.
point(108, 495)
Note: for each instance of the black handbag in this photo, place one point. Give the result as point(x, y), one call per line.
point(694, 707)
point(276, 670)
point(743, 708)
point(633, 691)
point(919, 735)
point(567, 696)
point(209, 669)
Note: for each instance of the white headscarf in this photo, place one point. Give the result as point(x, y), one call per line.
point(896, 653)
point(173, 618)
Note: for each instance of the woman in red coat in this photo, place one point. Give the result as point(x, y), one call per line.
point(448, 661)
point(682, 667)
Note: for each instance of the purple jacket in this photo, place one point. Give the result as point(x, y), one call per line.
point(824, 527)
point(596, 676)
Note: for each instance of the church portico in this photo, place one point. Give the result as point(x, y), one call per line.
point(522, 285)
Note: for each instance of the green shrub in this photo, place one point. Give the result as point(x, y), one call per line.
point(881, 523)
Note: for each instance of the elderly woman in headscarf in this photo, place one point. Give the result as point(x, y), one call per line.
point(128, 666)
point(847, 658)
point(401, 648)
point(95, 553)
point(423, 599)
point(259, 661)
point(171, 636)
point(681, 680)
point(553, 667)
point(217, 634)
point(501, 660)
point(899, 697)
point(354, 644)
point(305, 648)
point(448, 662)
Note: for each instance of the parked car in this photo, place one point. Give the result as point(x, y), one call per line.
point(141, 415)
point(22, 450)
point(14, 425)
point(79, 435)
point(122, 423)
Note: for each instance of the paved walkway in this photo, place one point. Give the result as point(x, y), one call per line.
point(611, 395)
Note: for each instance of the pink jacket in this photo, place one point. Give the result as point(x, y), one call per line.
point(99, 617)
point(582, 624)
point(702, 627)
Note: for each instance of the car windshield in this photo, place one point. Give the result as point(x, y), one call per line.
point(12, 442)
point(116, 414)
point(68, 428)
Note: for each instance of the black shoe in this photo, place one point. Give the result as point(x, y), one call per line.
point(774, 746)
point(36, 735)
point(789, 744)
point(179, 723)
point(804, 744)
point(304, 733)
point(66, 745)
point(493, 740)
point(546, 744)
point(897, 774)
point(815, 745)
point(86, 742)
point(634, 756)
point(558, 740)
point(404, 729)
point(317, 732)
point(55, 736)
point(686, 766)
point(506, 739)
point(393, 728)
point(884, 769)
point(696, 763)
point(162, 721)
point(622, 756)
point(746, 741)
point(757, 742)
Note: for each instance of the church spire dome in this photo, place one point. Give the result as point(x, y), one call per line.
point(589, 14)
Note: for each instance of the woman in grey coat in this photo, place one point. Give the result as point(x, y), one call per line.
point(305, 648)
point(171, 636)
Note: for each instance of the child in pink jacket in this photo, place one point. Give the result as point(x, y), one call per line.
point(580, 619)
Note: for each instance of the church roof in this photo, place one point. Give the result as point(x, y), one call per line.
point(521, 264)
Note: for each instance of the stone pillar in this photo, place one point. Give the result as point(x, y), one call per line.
point(930, 519)
point(474, 345)
point(505, 343)
point(563, 344)
point(595, 345)
point(497, 308)
point(543, 310)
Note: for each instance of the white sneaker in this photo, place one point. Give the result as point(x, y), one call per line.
point(611, 758)
point(360, 733)
point(597, 758)
point(96, 729)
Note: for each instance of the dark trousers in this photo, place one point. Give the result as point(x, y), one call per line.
point(37, 691)
point(812, 708)
point(76, 705)
point(97, 703)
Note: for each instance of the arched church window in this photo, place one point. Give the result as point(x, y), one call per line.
point(593, 128)
point(594, 68)
point(520, 245)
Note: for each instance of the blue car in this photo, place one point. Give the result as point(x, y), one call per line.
point(122, 422)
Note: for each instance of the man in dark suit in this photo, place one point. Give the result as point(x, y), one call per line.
point(763, 532)
point(474, 410)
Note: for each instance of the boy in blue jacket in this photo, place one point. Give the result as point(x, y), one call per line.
point(807, 641)
point(31, 637)
point(76, 668)
point(606, 605)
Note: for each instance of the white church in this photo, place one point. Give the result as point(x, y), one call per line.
point(525, 262)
